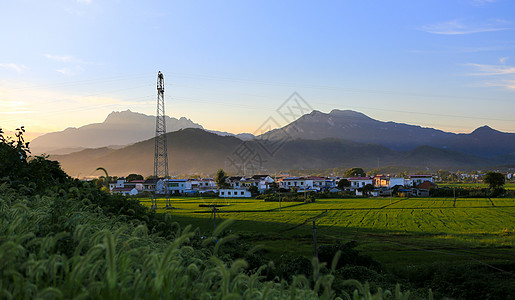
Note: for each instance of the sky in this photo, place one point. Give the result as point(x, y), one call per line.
point(229, 65)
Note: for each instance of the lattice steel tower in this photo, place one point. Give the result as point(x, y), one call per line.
point(160, 149)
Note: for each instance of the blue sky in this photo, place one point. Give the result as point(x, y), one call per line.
point(229, 65)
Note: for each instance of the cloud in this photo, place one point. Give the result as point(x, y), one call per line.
point(84, 1)
point(65, 58)
point(456, 27)
point(15, 67)
point(496, 75)
point(457, 50)
point(502, 60)
point(70, 71)
point(492, 70)
point(505, 83)
point(482, 2)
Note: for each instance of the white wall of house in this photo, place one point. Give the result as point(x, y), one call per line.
point(357, 183)
point(234, 193)
point(120, 182)
point(178, 186)
point(299, 183)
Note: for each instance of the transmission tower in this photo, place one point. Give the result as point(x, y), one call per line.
point(160, 149)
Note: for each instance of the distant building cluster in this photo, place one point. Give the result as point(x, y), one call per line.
point(241, 186)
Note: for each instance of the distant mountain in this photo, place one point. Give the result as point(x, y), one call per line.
point(193, 151)
point(190, 151)
point(118, 129)
point(241, 136)
point(355, 126)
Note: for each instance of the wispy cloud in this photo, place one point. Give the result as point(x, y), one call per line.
point(73, 65)
point(70, 71)
point(67, 59)
point(504, 83)
point(16, 67)
point(495, 75)
point(63, 58)
point(84, 1)
point(482, 2)
point(460, 50)
point(456, 27)
point(492, 70)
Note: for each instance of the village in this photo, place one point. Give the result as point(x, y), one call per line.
point(248, 186)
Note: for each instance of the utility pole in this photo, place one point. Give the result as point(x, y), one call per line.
point(214, 219)
point(160, 146)
point(315, 238)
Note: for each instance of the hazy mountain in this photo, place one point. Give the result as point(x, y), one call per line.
point(193, 151)
point(119, 128)
point(189, 151)
point(355, 126)
point(241, 136)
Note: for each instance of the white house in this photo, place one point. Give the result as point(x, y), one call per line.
point(126, 191)
point(203, 185)
point(415, 180)
point(300, 183)
point(235, 181)
point(262, 182)
point(234, 193)
point(322, 183)
point(138, 184)
point(359, 182)
point(382, 181)
point(179, 186)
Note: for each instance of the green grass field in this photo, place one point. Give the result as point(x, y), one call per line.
point(394, 231)
point(508, 185)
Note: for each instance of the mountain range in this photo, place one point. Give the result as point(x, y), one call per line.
point(118, 130)
point(355, 126)
point(317, 140)
point(196, 151)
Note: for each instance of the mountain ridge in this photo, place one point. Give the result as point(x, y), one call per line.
point(196, 151)
point(350, 125)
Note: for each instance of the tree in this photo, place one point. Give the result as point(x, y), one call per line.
point(253, 190)
point(367, 189)
point(494, 180)
point(343, 183)
point(221, 179)
point(132, 177)
point(355, 172)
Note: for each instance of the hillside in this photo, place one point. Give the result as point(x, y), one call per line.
point(194, 151)
point(355, 126)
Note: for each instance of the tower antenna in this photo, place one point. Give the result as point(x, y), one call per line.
point(160, 149)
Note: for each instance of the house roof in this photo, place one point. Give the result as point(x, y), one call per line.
point(137, 181)
point(426, 185)
point(360, 178)
point(316, 178)
point(259, 176)
point(124, 189)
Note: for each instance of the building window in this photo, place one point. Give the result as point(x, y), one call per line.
point(222, 193)
point(242, 193)
point(228, 193)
